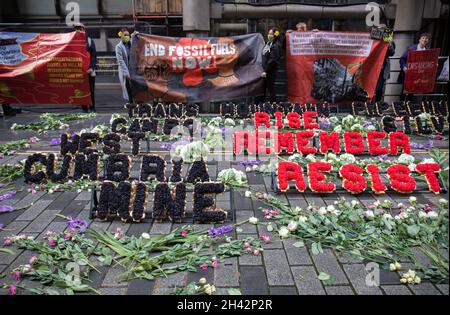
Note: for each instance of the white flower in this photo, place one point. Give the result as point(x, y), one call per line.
point(406, 159)
point(145, 236)
point(209, 289)
point(387, 203)
point(387, 216)
point(348, 158)
point(428, 161)
point(202, 281)
point(412, 199)
point(255, 167)
point(400, 205)
point(357, 127)
point(78, 190)
point(14, 126)
point(412, 167)
point(292, 226)
point(443, 202)
point(248, 169)
point(369, 214)
point(331, 156)
point(322, 210)
point(377, 203)
point(432, 215)
point(417, 280)
point(338, 129)
point(331, 208)
point(248, 194)
point(310, 158)
point(253, 220)
point(229, 122)
point(302, 219)
point(371, 128)
point(283, 232)
point(422, 215)
point(50, 191)
point(355, 203)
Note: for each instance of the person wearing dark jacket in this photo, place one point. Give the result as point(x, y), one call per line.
point(271, 63)
point(385, 72)
point(90, 48)
point(424, 44)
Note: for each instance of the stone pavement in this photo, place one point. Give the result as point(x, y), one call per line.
point(281, 269)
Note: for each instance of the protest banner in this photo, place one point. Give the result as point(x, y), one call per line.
point(196, 69)
point(333, 66)
point(44, 68)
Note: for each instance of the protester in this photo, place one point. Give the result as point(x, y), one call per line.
point(90, 47)
point(385, 71)
point(123, 57)
point(271, 63)
point(423, 44)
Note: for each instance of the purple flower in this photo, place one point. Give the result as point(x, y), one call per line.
point(383, 157)
point(220, 231)
point(5, 208)
point(55, 142)
point(367, 124)
point(166, 146)
point(8, 195)
point(77, 224)
point(325, 124)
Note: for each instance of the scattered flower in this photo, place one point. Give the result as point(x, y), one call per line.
point(202, 281)
point(12, 290)
point(16, 276)
point(253, 220)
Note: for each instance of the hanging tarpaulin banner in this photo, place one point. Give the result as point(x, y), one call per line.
point(421, 71)
point(44, 68)
point(196, 69)
point(333, 66)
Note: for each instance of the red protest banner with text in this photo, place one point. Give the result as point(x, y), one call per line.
point(421, 71)
point(44, 68)
point(333, 66)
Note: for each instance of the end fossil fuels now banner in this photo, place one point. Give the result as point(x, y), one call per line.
point(178, 69)
point(333, 67)
point(44, 68)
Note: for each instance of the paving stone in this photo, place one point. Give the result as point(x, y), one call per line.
point(140, 287)
point(389, 278)
point(208, 274)
point(113, 277)
point(175, 280)
point(328, 263)
point(13, 228)
point(227, 275)
point(283, 291)
point(137, 229)
point(306, 280)
point(243, 216)
point(160, 228)
point(296, 256)
point(249, 259)
point(73, 209)
point(357, 275)
point(113, 291)
point(425, 288)
point(442, 287)
point(85, 195)
point(162, 291)
point(339, 290)
point(41, 222)
point(62, 201)
point(277, 268)
point(253, 280)
point(396, 290)
point(29, 199)
point(34, 211)
point(345, 258)
point(241, 202)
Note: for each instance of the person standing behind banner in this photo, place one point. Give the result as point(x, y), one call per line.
point(423, 44)
point(385, 72)
point(90, 47)
point(271, 63)
point(123, 57)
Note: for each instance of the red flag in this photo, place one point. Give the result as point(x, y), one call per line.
point(421, 71)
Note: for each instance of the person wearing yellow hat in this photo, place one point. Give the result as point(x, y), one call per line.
point(271, 63)
point(123, 48)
